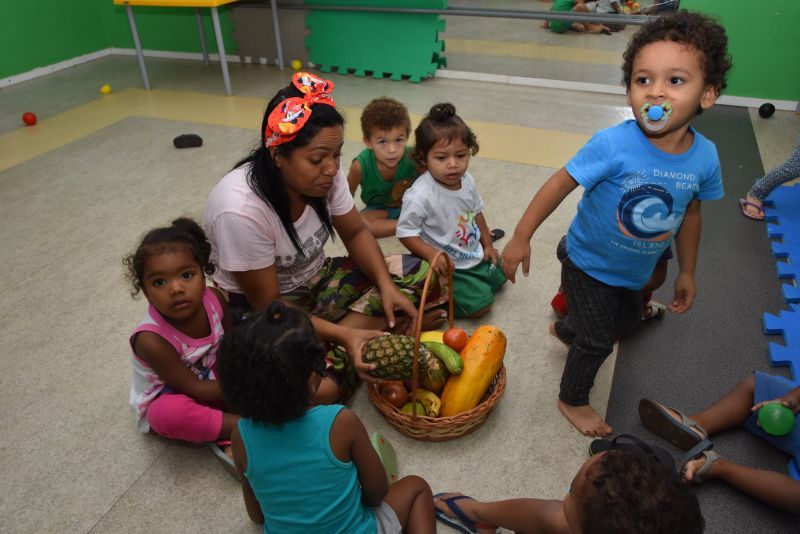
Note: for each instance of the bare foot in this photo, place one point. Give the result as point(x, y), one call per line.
point(466, 506)
point(546, 24)
point(585, 419)
point(228, 449)
point(554, 333)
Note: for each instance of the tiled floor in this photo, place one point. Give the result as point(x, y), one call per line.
point(79, 189)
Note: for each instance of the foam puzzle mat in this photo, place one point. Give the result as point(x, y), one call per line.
point(782, 212)
point(401, 46)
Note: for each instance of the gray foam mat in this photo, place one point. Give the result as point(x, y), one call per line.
point(688, 361)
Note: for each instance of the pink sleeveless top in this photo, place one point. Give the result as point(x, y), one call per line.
point(199, 355)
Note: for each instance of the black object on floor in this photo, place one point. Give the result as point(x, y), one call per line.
point(188, 141)
point(497, 233)
point(690, 360)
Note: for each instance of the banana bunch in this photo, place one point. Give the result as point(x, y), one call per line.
point(431, 402)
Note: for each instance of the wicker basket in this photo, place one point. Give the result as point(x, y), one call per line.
point(437, 428)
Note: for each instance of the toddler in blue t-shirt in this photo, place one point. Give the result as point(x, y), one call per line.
point(642, 180)
point(306, 468)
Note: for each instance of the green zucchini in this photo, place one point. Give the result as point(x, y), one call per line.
point(450, 358)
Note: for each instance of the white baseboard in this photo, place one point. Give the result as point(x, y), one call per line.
point(727, 100)
point(43, 71)
point(198, 56)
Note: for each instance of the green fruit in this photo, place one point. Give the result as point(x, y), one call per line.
point(451, 359)
point(409, 409)
point(393, 357)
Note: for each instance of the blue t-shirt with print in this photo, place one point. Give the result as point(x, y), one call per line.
point(634, 201)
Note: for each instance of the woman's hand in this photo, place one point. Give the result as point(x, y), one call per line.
point(354, 343)
point(393, 299)
point(517, 251)
point(685, 293)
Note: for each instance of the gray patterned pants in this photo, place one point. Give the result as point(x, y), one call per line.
point(598, 314)
point(781, 174)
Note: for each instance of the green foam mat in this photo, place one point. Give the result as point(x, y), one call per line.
point(379, 44)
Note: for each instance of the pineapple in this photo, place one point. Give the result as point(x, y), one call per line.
point(392, 355)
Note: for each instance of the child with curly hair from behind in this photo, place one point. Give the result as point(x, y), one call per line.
point(306, 468)
point(174, 390)
point(614, 492)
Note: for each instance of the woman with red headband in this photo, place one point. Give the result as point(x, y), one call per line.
point(268, 221)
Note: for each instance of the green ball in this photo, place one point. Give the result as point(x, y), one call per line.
point(776, 419)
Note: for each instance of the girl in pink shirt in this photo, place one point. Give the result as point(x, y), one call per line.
point(174, 390)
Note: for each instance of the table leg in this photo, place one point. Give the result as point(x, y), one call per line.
point(223, 61)
point(138, 44)
point(277, 28)
point(201, 32)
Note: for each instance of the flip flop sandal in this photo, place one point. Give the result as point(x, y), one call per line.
point(744, 204)
point(660, 422)
point(633, 445)
point(461, 523)
point(225, 460)
point(387, 455)
point(496, 234)
point(701, 449)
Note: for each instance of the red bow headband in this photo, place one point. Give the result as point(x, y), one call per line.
point(289, 117)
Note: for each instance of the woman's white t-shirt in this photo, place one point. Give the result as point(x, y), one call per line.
point(246, 233)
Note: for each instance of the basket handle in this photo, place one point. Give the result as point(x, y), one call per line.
point(420, 317)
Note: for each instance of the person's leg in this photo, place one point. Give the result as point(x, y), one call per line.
point(594, 317)
point(520, 515)
point(774, 489)
point(784, 172)
point(379, 223)
point(178, 416)
point(412, 501)
point(731, 410)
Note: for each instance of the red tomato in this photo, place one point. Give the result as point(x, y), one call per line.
point(455, 338)
point(29, 118)
point(394, 392)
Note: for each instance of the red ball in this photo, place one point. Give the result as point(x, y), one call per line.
point(29, 118)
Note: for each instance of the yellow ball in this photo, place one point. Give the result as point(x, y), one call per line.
point(297, 64)
point(106, 89)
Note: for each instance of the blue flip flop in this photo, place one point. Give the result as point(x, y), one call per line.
point(462, 523)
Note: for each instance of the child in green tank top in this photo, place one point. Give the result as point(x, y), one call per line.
point(384, 169)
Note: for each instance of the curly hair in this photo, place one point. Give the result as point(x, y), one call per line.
point(264, 364)
point(183, 232)
point(686, 27)
point(632, 494)
point(384, 113)
point(441, 122)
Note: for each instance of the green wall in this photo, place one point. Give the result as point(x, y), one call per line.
point(762, 39)
point(37, 33)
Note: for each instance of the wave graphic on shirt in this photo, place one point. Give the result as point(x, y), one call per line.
point(645, 212)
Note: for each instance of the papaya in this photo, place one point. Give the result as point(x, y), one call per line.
point(483, 357)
